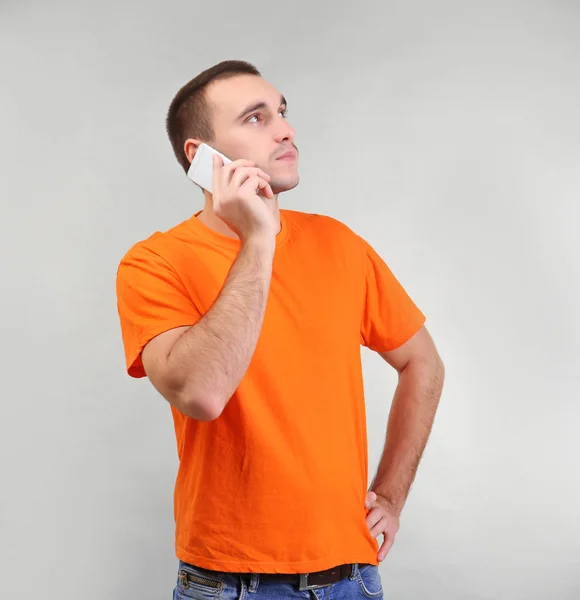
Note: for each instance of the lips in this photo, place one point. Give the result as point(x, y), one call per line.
point(290, 155)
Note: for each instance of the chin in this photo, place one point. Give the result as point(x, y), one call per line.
point(284, 185)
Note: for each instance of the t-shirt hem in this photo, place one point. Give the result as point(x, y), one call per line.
point(309, 566)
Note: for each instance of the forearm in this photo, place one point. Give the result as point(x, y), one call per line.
point(211, 358)
point(410, 421)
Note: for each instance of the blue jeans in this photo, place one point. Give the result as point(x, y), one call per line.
point(201, 584)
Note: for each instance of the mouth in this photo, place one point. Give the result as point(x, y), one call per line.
point(290, 155)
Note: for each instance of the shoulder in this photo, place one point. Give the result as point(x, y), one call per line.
point(155, 249)
point(322, 225)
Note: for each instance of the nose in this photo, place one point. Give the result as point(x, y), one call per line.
point(284, 131)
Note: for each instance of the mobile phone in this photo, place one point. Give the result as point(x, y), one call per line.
point(201, 169)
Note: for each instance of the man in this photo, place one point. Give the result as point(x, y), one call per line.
point(248, 320)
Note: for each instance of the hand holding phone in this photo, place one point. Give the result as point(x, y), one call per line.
point(236, 200)
point(201, 169)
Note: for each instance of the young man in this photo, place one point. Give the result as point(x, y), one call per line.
point(249, 319)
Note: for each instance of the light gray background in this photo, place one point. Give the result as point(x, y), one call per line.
point(446, 133)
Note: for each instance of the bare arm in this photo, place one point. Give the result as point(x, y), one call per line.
point(199, 368)
point(421, 375)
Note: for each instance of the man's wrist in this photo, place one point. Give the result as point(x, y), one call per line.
point(260, 243)
point(396, 505)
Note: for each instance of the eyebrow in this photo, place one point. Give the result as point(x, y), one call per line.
point(259, 106)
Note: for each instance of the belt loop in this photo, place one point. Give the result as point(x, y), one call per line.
point(254, 583)
point(354, 573)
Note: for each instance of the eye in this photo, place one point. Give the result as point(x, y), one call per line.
point(258, 117)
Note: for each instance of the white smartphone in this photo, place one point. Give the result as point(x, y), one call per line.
point(201, 169)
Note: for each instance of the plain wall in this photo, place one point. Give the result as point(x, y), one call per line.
point(446, 133)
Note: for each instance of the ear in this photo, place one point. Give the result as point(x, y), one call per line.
point(190, 148)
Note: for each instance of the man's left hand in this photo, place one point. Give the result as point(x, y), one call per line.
point(382, 518)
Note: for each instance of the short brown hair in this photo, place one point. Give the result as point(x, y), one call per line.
point(189, 113)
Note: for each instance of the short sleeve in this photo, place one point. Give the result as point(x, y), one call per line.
point(390, 317)
point(151, 299)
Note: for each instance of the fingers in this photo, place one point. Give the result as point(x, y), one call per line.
point(370, 499)
point(241, 174)
point(376, 523)
point(254, 183)
point(230, 169)
point(387, 544)
point(379, 523)
point(265, 187)
point(222, 173)
point(382, 526)
point(381, 519)
point(374, 515)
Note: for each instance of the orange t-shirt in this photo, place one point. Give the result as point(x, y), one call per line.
point(277, 483)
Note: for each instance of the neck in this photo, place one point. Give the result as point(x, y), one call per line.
point(211, 220)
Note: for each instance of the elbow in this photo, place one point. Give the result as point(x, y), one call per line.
point(201, 408)
point(199, 404)
point(440, 368)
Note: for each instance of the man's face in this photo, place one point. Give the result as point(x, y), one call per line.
point(248, 118)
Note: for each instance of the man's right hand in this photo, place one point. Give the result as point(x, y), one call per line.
point(236, 201)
